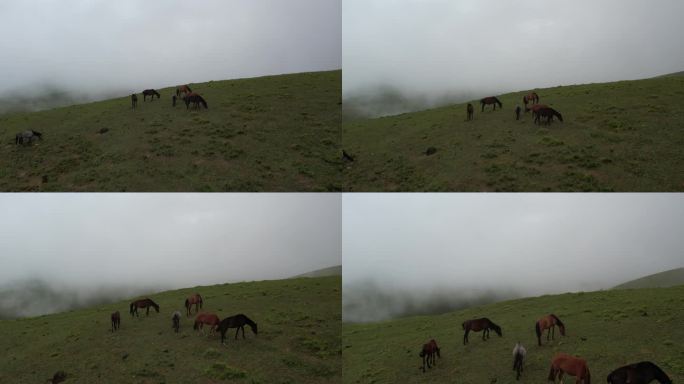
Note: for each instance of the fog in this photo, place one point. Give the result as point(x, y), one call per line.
point(60, 251)
point(406, 254)
point(92, 49)
point(435, 52)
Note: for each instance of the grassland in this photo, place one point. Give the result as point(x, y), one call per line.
point(608, 328)
point(275, 133)
point(662, 279)
point(299, 324)
point(621, 136)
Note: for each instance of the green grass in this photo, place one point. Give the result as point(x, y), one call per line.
point(662, 279)
point(622, 136)
point(275, 133)
point(299, 339)
point(608, 328)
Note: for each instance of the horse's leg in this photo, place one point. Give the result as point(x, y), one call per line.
point(243, 332)
point(465, 337)
point(236, 332)
point(423, 362)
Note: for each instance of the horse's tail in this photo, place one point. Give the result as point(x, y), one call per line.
point(187, 303)
point(587, 375)
point(552, 373)
point(537, 329)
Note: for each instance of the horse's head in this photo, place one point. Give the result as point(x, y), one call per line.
point(497, 329)
point(156, 307)
point(254, 328)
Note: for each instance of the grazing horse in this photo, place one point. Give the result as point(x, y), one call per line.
point(143, 303)
point(184, 89)
point(195, 99)
point(175, 319)
point(470, 111)
point(194, 299)
point(638, 373)
point(116, 321)
point(548, 322)
point(237, 321)
point(477, 325)
point(58, 377)
point(519, 353)
point(150, 92)
point(428, 352)
point(548, 113)
point(531, 97)
point(517, 112)
point(27, 137)
point(206, 318)
point(573, 366)
point(134, 100)
point(490, 100)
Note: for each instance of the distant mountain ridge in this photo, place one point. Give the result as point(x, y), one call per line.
point(330, 271)
point(664, 279)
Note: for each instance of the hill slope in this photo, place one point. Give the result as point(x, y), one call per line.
point(608, 328)
point(330, 271)
point(657, 280)
point(299, 324)
point(622, 136)
point(274, 133)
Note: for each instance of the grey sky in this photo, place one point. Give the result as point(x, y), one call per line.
point(531, 243)
point(169, 240)
point(436, 47)
point(101, 45)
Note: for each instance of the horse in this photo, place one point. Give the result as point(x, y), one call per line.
point(206, 318)
point(535, 107)
point(185, 89)
point(470, 111)
point(477, 325)
point(428, 352)
point(195, 99)
point(58, 377)
point(143, 303)
point(532, 96)
point(116, 321)
point(519, 353)
point(548, 322)
point(642, 372)
point(173, 100)
point(150, 92)
point(237, 321)
point(175, 319)
point(574, 366)
point(490, 100)
point(134, 100)
point(27, 137)
point(194, 299)
point(517, 112)
point(548, 113)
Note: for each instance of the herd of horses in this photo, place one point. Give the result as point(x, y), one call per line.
point(561, 363)
point(543, 114)
point(189, 97)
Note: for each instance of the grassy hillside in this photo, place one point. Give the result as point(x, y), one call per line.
point(608, 328)
point(663, 279)
point(330, 271)
point(622, 136)
point(275, 133)
point(299, 324)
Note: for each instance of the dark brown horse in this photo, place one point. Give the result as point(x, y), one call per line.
point(638, 373)
point(548, 114)
point(428, 353)
point(134, 100)
point(116, 321)
point(548, 322)
point(195, 299)
point(477, 325)
point(206, 318)
point(470, 111)
point(238, 321)
point(195, 99)
point(58, 377)
point(531, 97)
point(490, 100)
point(519, 353)
point(143, 303)
point(150, 92)
point(574, 366)
point(175, 320)
point(184, 89)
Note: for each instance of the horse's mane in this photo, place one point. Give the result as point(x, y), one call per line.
point(560, 323)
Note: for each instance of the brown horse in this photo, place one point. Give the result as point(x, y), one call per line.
point(134, 100)
point(470, 111)
point(548, 322)
point(490, 100)
point(195, 99)
point(428, 352)
point(531, 97)
point(638, 373)
point(184, 89)
point(150, 92)
point(548, 113)
point(238, 321)
point(116, 321)
point(143, 303)
point(477, 325)
point(573, 366)
point(206, 318)
point(195, 299)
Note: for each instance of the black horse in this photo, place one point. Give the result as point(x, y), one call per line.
point(150, 92)
point(143, 303)
point(116, 321)
point(477, 325)
point(176, 320)
point(517, 112)
point(638, 373)
point(547, 113)
point(469, 110)
point(237, 321)
point(490, 100)
point(173, 100)
point(27, 137)
point(134, 100)
point(195, 99)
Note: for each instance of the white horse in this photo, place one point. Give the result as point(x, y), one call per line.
point(519, 353)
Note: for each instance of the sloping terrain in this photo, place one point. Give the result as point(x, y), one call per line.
point(330, 271)
point(657, 280)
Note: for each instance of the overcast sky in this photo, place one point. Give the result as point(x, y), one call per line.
point(102, 45)
point(169, 240)
point(531, 243)
point(432, 47)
